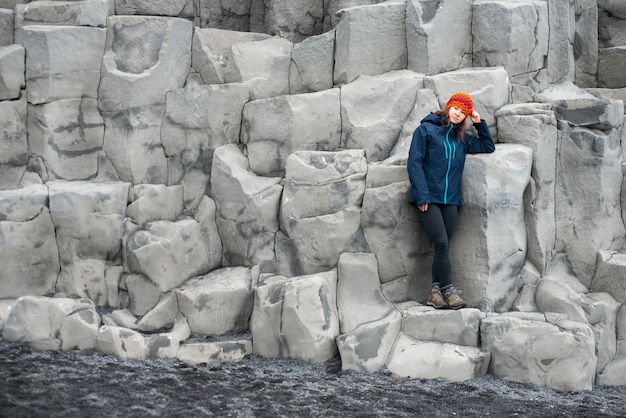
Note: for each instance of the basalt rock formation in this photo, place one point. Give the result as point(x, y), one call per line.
point(236, 171)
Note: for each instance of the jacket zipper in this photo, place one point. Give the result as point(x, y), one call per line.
point(450, 154)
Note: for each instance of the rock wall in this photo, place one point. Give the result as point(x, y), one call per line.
point(201, 181)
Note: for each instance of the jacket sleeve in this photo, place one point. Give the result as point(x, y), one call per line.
point(484, 142)
point(415, 167)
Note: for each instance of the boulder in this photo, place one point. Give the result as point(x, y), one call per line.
point(197, 120)
point(295, 20)
point(262, 65)
point(365, 48)
point(411, 358)
point(296, 317)
point(210, 50)
point(12, 67)
point(168, 253)
point(121, 342)
point(47, 323)
point(276, 127)
point(373, 110)
point(77, 75)
point(218, 302)
point(559, 354)
point(534, 125)
point(327, 223)
point(247, 209)
point(214, 352)
point(68, 136)
point(138, 74)
point(434, 47)
point(460, 327)
point(312, 62)
point(88, 221)
point(73, 13)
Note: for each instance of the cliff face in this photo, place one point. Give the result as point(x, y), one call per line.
point(171, 169)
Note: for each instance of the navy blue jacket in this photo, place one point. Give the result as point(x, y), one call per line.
point(437, 158)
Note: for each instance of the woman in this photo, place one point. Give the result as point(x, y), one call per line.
point(435, 166)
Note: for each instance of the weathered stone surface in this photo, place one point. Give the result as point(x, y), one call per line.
point(132, 144)
point(614, 373)
point(525, 301)
point(138, 74)
point(601, 309)
point(367, 347)
point(168, 253)
point(489, 88)
point(14, 151)
point(489, 248)
point(560, 354)
point(331, 7)
point(296, 317)
point(370, 40)
point(143, 293)
point(226, 14)
point(218, 302)
point(166, 344)
point(66, 13)
point(586, 43)
point(68, 135)
point(359, 299)
point(610, 274)
point(556, 296)
point(52, 323)
point(373, 109)
point(608, 60)
point(162, 315)
point(295, 20)
point(210, 50)
point(535, 126)
point(262, 65)
point(121, 342)
point(213, 352)
point(5, 308)
point(175, 8)
point(459, 327)
point(562, 26)
point(247, 209)
point(513, 35)
point(434, 48)
point(153, 202)
point(276, 127)
point(611, 23)
point(312, 62)
point(30, 263)
point(411, 358)
point(12, 67)
point(588, 184)
point(198, 120)
point(88, 219)
point(7, 25)
point(329, 224)
point(77, 75)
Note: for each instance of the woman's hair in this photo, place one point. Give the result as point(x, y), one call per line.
point(443, 114)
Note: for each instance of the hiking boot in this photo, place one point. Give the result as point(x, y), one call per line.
point(452, 299)
point(435, 299)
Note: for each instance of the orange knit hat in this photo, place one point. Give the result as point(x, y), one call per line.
point(463, 101)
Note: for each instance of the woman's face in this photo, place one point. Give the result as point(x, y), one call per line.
point(456, 115)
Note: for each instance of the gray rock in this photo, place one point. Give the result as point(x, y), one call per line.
point(263, 65)
point(227, 14)
point(7, 26)
point(174, 8)
point(460, 327)
point(77, 75)
point(247, 209)
point(609, 275)
point(218, 302)
point(138, 74)
point(67, 13)
point(211, 47)
point(312, 62)
point(67, 135)
point(295, 20)
point(376, 50)
point(434, 48)
point(274, 128)
point(559, 354)
point(411, 358)
point(373, 110)
point(121, 342)
point(12, 68)
point(153, 202)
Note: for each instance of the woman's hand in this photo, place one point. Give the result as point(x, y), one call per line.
point(423, 207)
point(475, 117)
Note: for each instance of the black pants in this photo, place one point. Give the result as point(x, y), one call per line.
point(439, 221)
